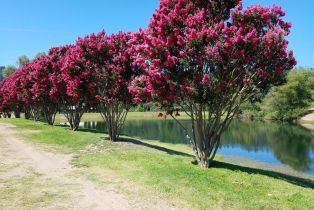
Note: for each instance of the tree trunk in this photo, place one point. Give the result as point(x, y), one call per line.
point(207, 155)
point(27, 113)
point(207, 144)
point(112, 131)
point(74, 122)
point(206, 130)
point(74, 115)
point(8, 114)
point(17, 114)
point(50, 114)
point(35, 113)
point(50, 118)
point(114, 115)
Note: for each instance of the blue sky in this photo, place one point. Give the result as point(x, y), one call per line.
point(29, 27)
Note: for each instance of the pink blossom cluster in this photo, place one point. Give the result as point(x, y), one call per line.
point(104, 65)
point(97, 69)
point(38, 83)
point(199, 50)
point(192, 49)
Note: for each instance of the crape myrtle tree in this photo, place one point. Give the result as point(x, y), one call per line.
point(58, 88)
point(7, 74)
point(5, 102)
point(3, 99)
point(61, 91)
point(41, 92)
point(109, 60)
point(16, 90)
point(206, 58)
point(10, 98)
point(24, 86)
point(114, 79)
point(9, 70)
point(80, 86)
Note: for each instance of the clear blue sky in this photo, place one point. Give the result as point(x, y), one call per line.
point(29, 27)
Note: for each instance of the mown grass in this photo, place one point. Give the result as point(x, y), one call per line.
point(223, 186)
point(168, 170)
point(59, 137)
point(131, 116)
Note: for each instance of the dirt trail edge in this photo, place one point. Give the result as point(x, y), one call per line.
point(83, 194)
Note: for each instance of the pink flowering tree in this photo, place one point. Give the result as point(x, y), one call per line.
point(206, 58)
point(4, 109)
point(79, 86)
point(23, 88)
point(109, 59)
point(114, 79)
point(10, 94)
point(58, 89)
point(5, 97)
point(41, 92)
point(14, 104)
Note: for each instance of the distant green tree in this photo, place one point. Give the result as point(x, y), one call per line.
point(1, 72)
point(8, 71)
point(291, 100)
point(22, 60)
point(40, 54)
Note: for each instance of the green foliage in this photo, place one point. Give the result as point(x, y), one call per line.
point(150, 107)
point(8, 71)
point(291, 100)
point(251, 110)
point(1, 72)
point(22, 60)
point(286, 102)
point(40, 54)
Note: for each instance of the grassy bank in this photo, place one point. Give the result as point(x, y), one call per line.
point(166, 170)
point(131, 116)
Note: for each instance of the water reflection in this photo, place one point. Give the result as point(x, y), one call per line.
point(264, 141)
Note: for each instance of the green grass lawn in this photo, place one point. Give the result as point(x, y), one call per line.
point(131, 116)
point(57, 137)
point(167, 170)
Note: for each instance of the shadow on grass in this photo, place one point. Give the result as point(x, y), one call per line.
point(61, 126)
point(277, 175)
point(163, 149)
point(91, 130)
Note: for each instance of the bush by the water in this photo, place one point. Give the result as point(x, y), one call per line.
point(288, 101)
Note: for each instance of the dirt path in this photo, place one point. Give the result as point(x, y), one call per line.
point(52, 177)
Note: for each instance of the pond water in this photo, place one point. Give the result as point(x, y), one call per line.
point(270, 142)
